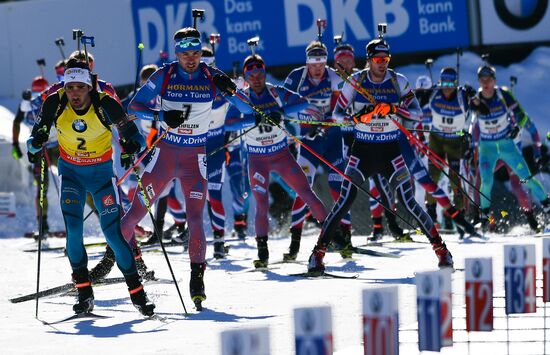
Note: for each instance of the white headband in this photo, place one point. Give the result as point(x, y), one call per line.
point(77, 75)
point(313, 60)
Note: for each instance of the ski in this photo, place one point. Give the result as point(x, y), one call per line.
point(325, 275)
point(85, 315)
point(365, 251)
point(62, 248)
point(70, 287)
point(55, 234)
point(62, 289)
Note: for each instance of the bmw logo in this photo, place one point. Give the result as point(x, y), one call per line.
point(521, 14)
point(427, 285)
point(513, 255)
point(79, 125)
point(476, 269)
point(376, 302)
point(308, 321)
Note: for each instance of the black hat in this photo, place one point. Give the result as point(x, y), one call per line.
point(376, 46)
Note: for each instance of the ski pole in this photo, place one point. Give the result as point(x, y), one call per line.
point(60, 42)
point(141, 157)
point(40, 228)
point(361, 90)
point(321, 158)
point(148, 206)
point(231, 141)
point(138, 67)
point(49, 163)
point(320, 123)
point(429, 62)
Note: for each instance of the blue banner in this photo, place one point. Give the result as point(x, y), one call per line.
point(286, 27)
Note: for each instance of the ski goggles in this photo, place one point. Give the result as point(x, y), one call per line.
point(188, 44)
point(447, 84)
point(316, 55)
point(380, 60)
point(253, 67)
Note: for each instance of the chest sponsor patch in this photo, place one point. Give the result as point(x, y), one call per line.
point(79, 125)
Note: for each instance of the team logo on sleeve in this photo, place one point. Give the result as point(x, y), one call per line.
point(108, 200)
point(79, 125)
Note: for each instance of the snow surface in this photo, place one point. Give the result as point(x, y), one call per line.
point(238, 299)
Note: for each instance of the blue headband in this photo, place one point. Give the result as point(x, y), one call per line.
point(188, 44)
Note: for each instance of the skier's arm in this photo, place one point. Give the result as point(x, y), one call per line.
point(41, 129)
point(139, 106)
point(116, 114)
point(235, 120)
point(345, 100)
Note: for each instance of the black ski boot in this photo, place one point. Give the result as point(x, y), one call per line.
point(396, 231)
point(141, 267)
point(533, 222)
point(45, 229)
point(104, 266)
point(85, 292)
point(378, 229)
point(263, 253)
point(294, 248)
point(240, 226)
point(138, 296)
point(219, 245)
point(347, 249)
point(462, 225)
point(196, 284)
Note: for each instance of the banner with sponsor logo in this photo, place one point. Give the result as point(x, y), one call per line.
point(514, 21)
point(286, 27)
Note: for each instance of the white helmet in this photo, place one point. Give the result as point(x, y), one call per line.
point(423, 82)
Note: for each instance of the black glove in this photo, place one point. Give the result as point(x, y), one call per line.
point(470, 91)
point(40, 137)
point(225, 84)
point(16, 152)
point(479, 106)
point(514, 132)
point(315, 132)
point(174, 118)
point(130, 146)
point(26, 95)
point(33, 158)
point(275, 118)
point(126, 160)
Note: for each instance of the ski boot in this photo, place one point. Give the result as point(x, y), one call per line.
point(443, 254)
point(104, 266)
point(141, 267)
point(45, 229)
point(219, 249)
point(85, 292)
point(138, 296)
point(315, 263)
point(487, 221)
point(240, 226)
point(263, 253)
point(346, 252)
point(533, 222)
point(396, 231)
point(295, 237)
point(196, 284)
point(140, 232)
point(462, 225)
point(377, 231)
point(182, 236)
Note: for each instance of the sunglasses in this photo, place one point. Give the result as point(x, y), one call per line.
point(254, 66)
point(380, 60)
point(188, 42)
point(447, 84)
